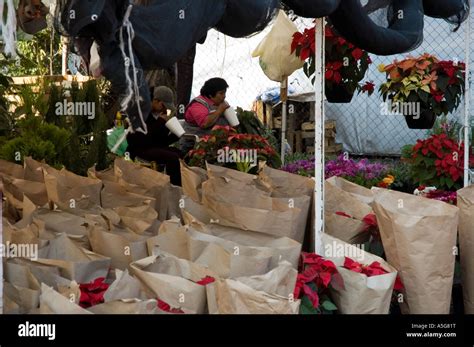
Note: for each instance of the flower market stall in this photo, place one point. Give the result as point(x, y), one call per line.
point(248, 229)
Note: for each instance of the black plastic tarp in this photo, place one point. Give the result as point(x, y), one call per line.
point(165, 31)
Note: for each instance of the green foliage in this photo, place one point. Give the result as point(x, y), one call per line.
point(250, 124)
point(38, 139)
point(436, 161)
point(55, 96)
point(32, 102)
point(444, 126)
point(89, 135)
point(326, 306)
point(35, 56)
point(71, 141)
point(403, 180)
point(437, 85)
point(7, 121)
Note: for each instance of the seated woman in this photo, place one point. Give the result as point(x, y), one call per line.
point(155, 145)
point(206, 111)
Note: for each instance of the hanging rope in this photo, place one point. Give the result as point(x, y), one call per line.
point(132, 86)
point(8, 26)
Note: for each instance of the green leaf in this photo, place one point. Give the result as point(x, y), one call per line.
point(449, 182)
point(306, 306)
point(442, 82)
point(328, 305)
point(426, 88)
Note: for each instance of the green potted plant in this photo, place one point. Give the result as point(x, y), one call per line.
point(346, 64)
point(432, 86)
point(436, 161)
point(225, 147)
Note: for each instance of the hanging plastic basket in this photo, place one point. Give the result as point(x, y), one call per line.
point(425, 120)
point(338, 95)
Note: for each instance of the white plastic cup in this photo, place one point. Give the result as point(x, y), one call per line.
point(175, 127)
point(231, 117)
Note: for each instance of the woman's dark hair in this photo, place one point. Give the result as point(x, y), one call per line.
point(213, 86)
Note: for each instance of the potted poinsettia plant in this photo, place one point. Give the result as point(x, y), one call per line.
point(432, 86)
point(436, 161)
point(316, 275)
point(225, 147)
point(346, 64)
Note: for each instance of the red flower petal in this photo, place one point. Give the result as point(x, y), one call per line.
point(325, 278)
point(206, 280)
point(370, 220)
point(398, 284)
point(312, 295)
point(357, 53)
point(167, 308)
point(339, 213)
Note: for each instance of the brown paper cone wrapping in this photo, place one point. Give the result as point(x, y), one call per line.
point(51, 302)
point(419, 238)
point(122, 248)
point(466, 244)
point(176, 291)
point(282, 249)
point(226, 296)
point(126, 306)
point(258, 212)
point(191, 181)
point(280, 281)
point(141, 180)
point(361, 294)
point(75, 263)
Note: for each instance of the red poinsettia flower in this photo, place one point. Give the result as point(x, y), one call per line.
point(319, 271)
point(333, 71)
point(352, 265)
point(167, 308)
point(368, 87)
point(92, 293)
point(341, 41)
point(399, 287)
point(438, 95)
point(206, 280)
point(328, 32)
point(370, 220)
point(357, 54)
point(226, 128)
point(312, 295)
point(374, 269)
point(306, 42)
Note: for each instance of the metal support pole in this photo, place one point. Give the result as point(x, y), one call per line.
point(319, 120)
point(467, 104)
point(284, 114)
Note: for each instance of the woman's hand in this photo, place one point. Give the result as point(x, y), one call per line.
point(222, 107)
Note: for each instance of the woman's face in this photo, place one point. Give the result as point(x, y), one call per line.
point(219, 97)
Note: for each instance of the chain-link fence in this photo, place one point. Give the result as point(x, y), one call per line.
point(361, 126)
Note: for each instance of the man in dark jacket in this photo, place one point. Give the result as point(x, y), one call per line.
point(155, 146)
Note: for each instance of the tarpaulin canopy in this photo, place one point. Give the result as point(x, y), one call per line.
point(157, 33)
